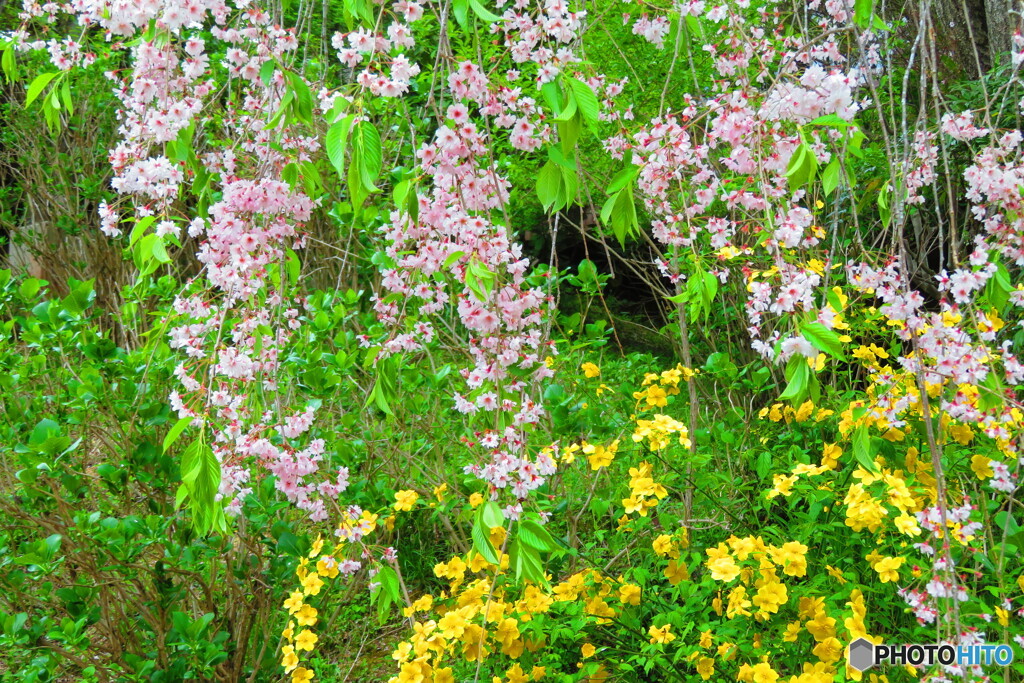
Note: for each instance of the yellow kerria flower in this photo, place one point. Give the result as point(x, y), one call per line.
point(405, 500)
point(887, 568)
point(475, 500)
point(705, 667)
point(763, 673)
point(629, 594)
point(587, 650)
point(661, 635)
point(302, 675)
point(312, 584)
point(665, 546)
point(982, 467)
point(294, 602)
point(306, 616)
point(676, 572)
point(805, 411)
point(590, 370)
point(306, 640)
point(289, 660)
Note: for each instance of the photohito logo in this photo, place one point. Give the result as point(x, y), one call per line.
point(864, 654)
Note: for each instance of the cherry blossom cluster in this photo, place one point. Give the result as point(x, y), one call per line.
point(233, 327)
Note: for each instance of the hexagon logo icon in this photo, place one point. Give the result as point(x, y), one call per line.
point(862, 654)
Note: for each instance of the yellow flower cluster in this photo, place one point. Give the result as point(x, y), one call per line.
point(771, 593)
point(658, 431)
point(778, 411)
point(475, 618)
point(645, 493)
point(600, 456)
point(660, 387)
point(669, 546)
point(302, 616)
point(864, 510)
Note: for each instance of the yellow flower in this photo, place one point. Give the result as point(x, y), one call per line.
point(405, 500)
point(318, 545)
point(804, 411)
point(312, 584)
point(327, 566)
point(590, 370)
point(835, 574)
point(783, 486)
point(665, 546)
point(289, 660)
point(629, 594)
point(306, 640)
point(706, 667)
point(887, 568)
point(599, 456)
point(661, 635)
point(962, 434)
point(705, 639)
point(294, 602)
point(439, 492)
point(588, 650)
point(907, 525)
point(676, 571)
point(763, 673)
point(982, 467)
point(721, 564)
point(306, 616)
point(1003, 616)
point(475, 500)
point(302, 675)
point(792, 631)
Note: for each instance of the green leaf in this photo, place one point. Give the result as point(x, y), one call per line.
point(830, 177)
point(536, 536)
point(482, 537)
point(336, 141)
point(586, 100)
point(35, 89)
point(492, 515)
point(267, 71)
point(624, 177)
point(802, 167)
point(862, 11)
point(65, 95)
point(620, 213)
point(175, 432)
point(366, 141)
point(483, 13)
point(823, 339)
point(798, 376)
point(8, 65)
point(832, 120)
point(862, 449)
point(460, 8)
point(303, 98)
point(569, 111)
point(293, 266)
point(883, 205)
point(200, 475)
point(479, 279)
point(527, 563)
point(555, 154)
point(548, 182)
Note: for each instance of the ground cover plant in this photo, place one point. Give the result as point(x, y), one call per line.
point(529, 340)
